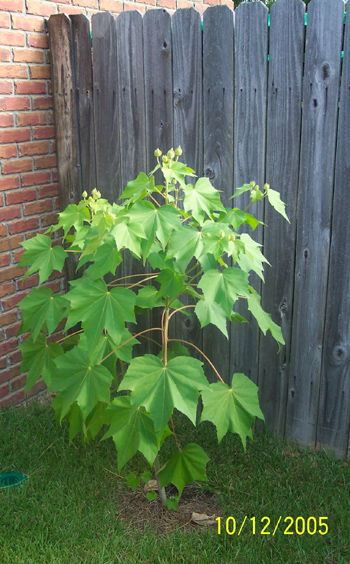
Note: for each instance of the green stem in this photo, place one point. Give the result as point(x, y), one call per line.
point(161, 491)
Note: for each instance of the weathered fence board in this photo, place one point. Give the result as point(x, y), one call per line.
point(282, 171)
point(239, 115)
point(188, 127)
point(249, 152)
point(106, 105)
point(84, 96)
point(218, 89)
point(66, 122)
point(320, 105)
point(334, 410)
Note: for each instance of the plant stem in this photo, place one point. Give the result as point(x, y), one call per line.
point(175, 437)
point(131, 338)
point(71, 335)
point(166, 192)
point(161, 491)
point(179, 309)
point(165, 331)
point(202, 353)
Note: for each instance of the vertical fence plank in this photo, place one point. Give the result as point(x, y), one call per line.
point(63, 90)
point(84, 96)
point(249, 152)
point(188, 126)
point(282, 172)
point(218, 99)
point(106, 115)
point(320, 105)
point(158, 83)
point(334, 410)
point(132, 123)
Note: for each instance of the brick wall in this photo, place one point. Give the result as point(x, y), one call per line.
point(28, 175)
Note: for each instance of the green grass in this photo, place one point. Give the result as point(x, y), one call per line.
point(67, 511)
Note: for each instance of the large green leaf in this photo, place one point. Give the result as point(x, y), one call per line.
point(232, 408)
point(210, 312)
point(139, 187)
point(73, 215)
point(38, 358)
point(106, 259)
point(41, 307)
point(171, 284)
point(241, 190)
point(132, 429)
point(224, 287)
point(160, 388)
point(159, 221)
point(276, 202)
point(264, 319)
point(185, 243)
point(128, 234)
point(148, 297)
point(201, 199)
point(80, 381)
point(252, 258)
point(184, 467)
point(42, 257)
point(98, 308)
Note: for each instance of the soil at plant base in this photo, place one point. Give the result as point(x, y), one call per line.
point(137, 512)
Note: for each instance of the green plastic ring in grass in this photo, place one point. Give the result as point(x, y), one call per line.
point(12, 480)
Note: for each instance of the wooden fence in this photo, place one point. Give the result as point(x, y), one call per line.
point(246, 101)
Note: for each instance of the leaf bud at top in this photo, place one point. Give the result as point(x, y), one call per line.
point(170, 154)
point(157, 153)
point(164, 159)
point(252, 184)
point(266, 187)
point(98, 194)
point(178, 151)
point(84, 194)
point(94, 193)
point(221, 234)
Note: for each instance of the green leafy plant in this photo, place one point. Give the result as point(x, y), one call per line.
point(189, 244)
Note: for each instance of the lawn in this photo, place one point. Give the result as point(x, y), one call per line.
point(75, 508)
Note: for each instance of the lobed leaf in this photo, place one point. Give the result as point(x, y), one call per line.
point(42, 257)
point(184, 467)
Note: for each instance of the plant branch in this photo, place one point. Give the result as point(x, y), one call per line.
point(175, 437)
point(161, 491)
point(71, 335)
point(179, 309)
point(202, 353)
point(131, 338)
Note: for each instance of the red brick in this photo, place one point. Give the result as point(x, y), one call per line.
point(29, 282)
point(34, 148)
point(113, 5)
point(69, 10)
point(4, 261)
point(12, 38)
point(4, 390)
point(30, 87)
point(8, 346)
point(12, 332)
point(17, 255)
point(27, 23)
point(6, 87)
point(3, 362)
point(34, 178)
point(40, 386)
point(6, 120)
point(22, 226)
point(50, 219)
point(8, 151)
point(52, 146)
point(49, 190)
point(19, 165)
point(42, 103)
point(12, 272)
point(14, 135)
point(9, 182)
point(20, 196)
point(55, 175)
point(14, 103)
point(14, 5)
point(6, 214)
point(5, 20)
point(7, 289)
point(40, 71)
point(14, 399)
point(37, 207)
point(45, 162)
point(40, 8)
point(133, 6)
point(86, 3)
point(167, 4)
point(211, 2)
point(5, 54)
point(8, 318)
point(44, 132)
point(10, 373)
point(38, 40)
point(31, 118)
point(14, 357)
point(13, 71)
point(28, 56)
point(1, 199)
point(12, 301)
point(50, 118)
point(18, 383)
point(8, 244)
point(3, 231)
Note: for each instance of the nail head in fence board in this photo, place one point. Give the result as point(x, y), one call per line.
point(334, 411)
point(158, 84)
point(249, 154)
point(84, 96)
point(320, 105)
point(106, 115)
point(63, 90)
point(188, 128)
point(132, 124)
point(282, 172)
point(218, 98)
